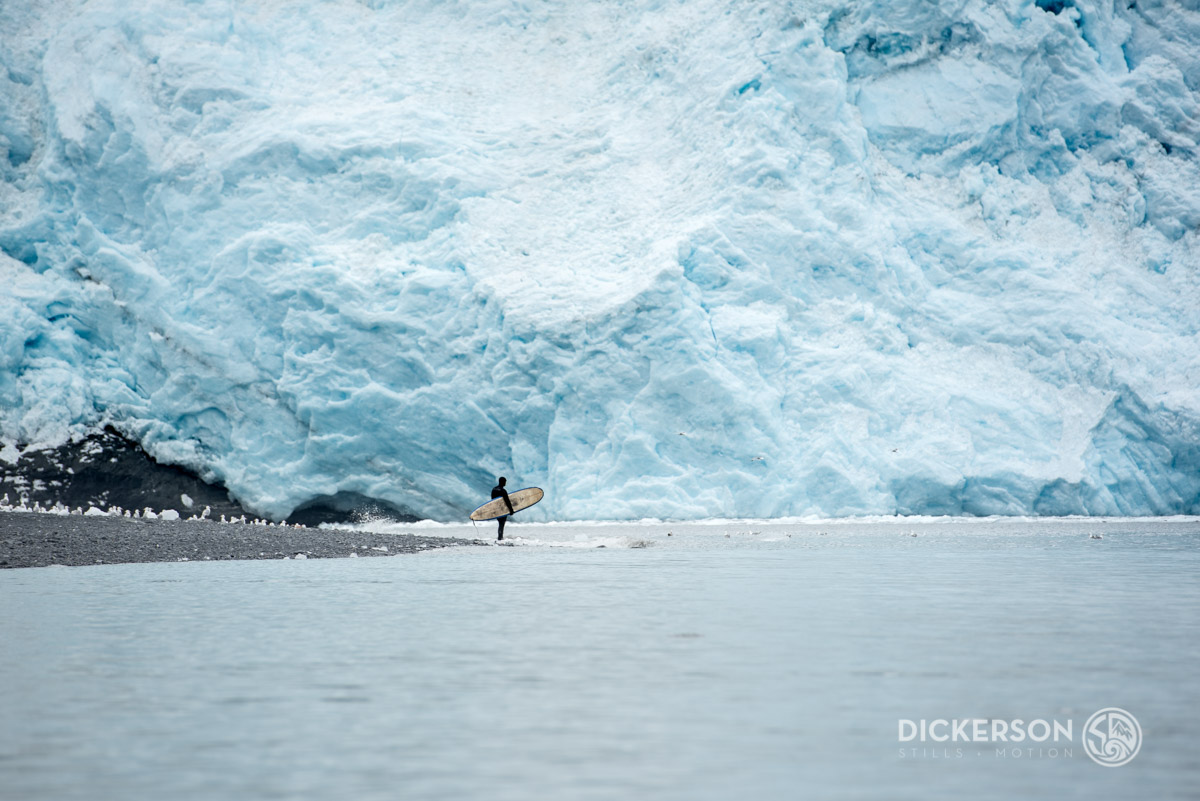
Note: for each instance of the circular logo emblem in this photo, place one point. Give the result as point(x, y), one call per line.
point(1112, 737)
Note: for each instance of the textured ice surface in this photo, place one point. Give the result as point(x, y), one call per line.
point(676, 260)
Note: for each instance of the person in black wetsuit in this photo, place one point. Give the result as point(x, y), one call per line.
point(499, 491)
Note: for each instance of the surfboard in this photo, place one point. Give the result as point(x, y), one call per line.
point(496, 507)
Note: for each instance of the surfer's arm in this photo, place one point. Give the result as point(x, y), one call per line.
point(509, 504)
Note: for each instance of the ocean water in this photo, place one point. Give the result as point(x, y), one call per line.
point(728, 660)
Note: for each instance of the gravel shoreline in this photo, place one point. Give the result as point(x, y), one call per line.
point(32, 539)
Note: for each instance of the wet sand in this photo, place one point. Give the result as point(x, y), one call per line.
point(29, 539)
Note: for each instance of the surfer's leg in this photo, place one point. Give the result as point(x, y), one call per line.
point(501, 520)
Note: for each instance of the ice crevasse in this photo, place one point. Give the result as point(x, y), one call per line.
point(678, 260)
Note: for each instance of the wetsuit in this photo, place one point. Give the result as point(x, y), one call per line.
point(498, 491)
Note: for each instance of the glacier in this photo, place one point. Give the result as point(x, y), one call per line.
point(663, 259)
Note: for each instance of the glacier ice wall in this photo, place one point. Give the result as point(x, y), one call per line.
point(664, 259)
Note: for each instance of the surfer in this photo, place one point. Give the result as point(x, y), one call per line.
point(499, 491)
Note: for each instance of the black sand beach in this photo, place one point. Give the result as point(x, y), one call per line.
point(29, 539)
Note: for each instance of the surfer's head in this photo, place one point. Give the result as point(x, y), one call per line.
point(502, 480)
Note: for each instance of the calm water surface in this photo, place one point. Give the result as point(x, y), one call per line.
point(772, 663)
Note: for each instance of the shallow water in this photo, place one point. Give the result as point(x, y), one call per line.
point(771, 663)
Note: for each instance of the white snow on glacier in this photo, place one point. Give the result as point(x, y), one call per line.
point(669, 259)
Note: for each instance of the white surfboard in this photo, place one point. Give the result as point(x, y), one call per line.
point(496, 507)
